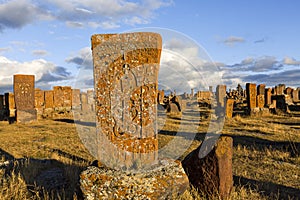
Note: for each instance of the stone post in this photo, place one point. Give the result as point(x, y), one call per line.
point(251, 95)
point(24, 98)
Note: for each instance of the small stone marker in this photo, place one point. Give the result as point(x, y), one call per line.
point(221, 95)
point(260, 101)
point(10, 104)
point(49, 99)
point(24, 98)
point(268, 95)
point(213, 173)
point(75, 98)
point(251, 95)
point(62, 97)
point(295, 95)
point(229, 108)
point(261, 89)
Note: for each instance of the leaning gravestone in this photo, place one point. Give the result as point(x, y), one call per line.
point(24, 98)
point(126, 84)
point(251, 95)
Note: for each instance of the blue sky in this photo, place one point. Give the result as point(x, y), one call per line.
point(205, 42)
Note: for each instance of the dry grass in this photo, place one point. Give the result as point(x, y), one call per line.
point(266, 162)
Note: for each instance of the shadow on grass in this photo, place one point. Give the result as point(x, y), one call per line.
point(261, 144)
point(46, 178)
point(272, 190)
point(71, 121)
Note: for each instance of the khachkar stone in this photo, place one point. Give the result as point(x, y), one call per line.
point(24, 98)
point(251, 95)
point(295, 95)
point(260, 101)
point(261, 89)
point(75, 98)
point(49, 99)
point(221, 95)
point(62, 97)
point(229, 108)
point(126, 78)
point(268, 95)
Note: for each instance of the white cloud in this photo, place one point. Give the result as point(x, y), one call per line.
point(18, 13)
point(108, 14)
point(290, 61)
point(45, 72)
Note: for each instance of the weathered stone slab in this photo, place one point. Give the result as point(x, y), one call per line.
point(221, 95)
point(49, 99)
point(260, 101)
point(75, 98)
point(10, 104)
point(288, 91)
point(24, 98)
point(268, 95)
point(126, 78)
point(261, 89)
point(39, 98)
point(251, 95)
point(91, 99)
point(213, 173)
point(280, 89)
point(165, 182)
point(84, 102)
point(62, 97)
point(295, 95)
point(24, 91)
point(229, 108)
point(201, 95)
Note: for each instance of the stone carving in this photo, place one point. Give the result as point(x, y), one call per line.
point(126, 75)
point(39, 98)
point(24, 98)
point(62, 97)
point(49, 99)
point(75, 98)
point(268, 94)
point(260, 101)
point(261, 89)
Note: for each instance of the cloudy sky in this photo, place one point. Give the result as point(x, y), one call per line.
point(204, 42)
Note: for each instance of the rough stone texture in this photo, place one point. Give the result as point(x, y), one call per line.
point(280, 89)
point(39, 98)
point(251, 95)
point(229, 108)
point(261, 89)
point(201, 95)
point(24, 98)
point(126, 78)
point(221, 95)
point(295, 95)
point(213, 173)
point(62, 97)
point(268, 95)
point(164, 182)
point(75, 98)
point(91, 99)
point(24, 91)
point(260, 101)
point(49, 99)
point(84, 102)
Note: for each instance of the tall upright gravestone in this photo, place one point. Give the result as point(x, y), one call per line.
point(126, 85)
point(251, 95)
point(24, 98)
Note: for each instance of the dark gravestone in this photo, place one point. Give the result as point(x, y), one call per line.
point(212, 174)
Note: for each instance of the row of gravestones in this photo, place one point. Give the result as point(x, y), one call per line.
point(28, 103)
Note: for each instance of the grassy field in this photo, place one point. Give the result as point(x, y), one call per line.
point(49, 155)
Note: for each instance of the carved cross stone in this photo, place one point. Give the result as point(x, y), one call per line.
point(126, 77)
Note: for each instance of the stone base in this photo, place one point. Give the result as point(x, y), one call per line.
point(26, 116)
point(164, 182)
